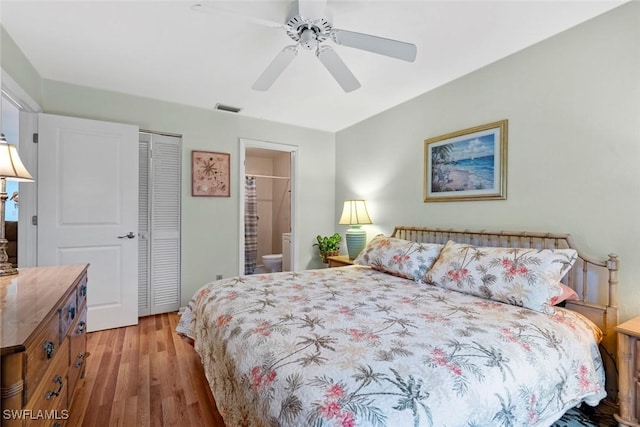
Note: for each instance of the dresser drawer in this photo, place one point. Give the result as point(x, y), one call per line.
point(636, 380)
point(68, 313)
point(82, 293)
point(50, 396)
point(78, 346)
point(636, 359)
point(41, 353)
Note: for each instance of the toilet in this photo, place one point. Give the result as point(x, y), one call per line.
point(272, 262)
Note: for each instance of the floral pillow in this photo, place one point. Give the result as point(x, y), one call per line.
point(524, 277)
point(402, 258)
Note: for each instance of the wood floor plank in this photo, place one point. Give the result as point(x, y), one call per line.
point(131, 408)
point(118, 417)
point(143, 402)
point(143, 375)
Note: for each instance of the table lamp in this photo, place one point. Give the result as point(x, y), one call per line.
point(11, 168)
point(354, 214)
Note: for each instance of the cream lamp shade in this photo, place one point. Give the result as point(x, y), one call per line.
point(354, 214)
point(11, 168)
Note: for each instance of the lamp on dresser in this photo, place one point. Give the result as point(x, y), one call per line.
point(354, 214)
point(11, 168)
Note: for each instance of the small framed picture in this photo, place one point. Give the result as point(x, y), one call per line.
point(469, 164)
point(210, 174)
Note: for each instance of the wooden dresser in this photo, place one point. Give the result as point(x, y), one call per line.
point(44, 342)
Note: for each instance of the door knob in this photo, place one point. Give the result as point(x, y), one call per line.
point(129, 235)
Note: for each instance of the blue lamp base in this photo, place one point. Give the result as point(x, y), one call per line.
point(356, 239)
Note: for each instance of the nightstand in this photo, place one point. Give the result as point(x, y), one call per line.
point(339, 261)
point(629, 372)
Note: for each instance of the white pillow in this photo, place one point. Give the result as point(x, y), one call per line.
point(524, 277)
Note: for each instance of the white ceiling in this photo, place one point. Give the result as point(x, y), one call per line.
point(166, 51)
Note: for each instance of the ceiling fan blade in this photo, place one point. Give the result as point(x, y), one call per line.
point(215, 10)
point(277, 66)
point(311, 9)
point(375, 44)
point(337, 68)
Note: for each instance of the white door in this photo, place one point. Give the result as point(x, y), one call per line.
point(88, 210)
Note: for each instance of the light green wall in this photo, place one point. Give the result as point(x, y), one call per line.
point(210, 226)
point(573, 105)
point(13, 61)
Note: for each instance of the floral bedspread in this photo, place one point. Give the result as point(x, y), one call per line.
point(352, 346)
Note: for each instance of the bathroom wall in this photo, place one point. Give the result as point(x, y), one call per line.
point(274, 198)
point(281, 200)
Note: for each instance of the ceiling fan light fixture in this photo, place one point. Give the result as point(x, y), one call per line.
point(308, 39)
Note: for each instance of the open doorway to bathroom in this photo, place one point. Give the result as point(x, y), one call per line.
point(267, 206)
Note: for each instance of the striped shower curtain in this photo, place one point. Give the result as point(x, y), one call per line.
point(250, 225)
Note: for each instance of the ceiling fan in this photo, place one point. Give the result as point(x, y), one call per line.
point(309, 31)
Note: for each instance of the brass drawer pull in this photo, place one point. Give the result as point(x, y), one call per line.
point(81, 327)
point(80, 360)
point(56, 379)
point(49, 349)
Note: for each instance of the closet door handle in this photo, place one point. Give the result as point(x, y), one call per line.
point(129, 235)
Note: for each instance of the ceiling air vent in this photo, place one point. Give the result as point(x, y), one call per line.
point(228, 108)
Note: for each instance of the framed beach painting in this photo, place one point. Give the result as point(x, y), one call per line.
point(469, 164)
point(210, 174)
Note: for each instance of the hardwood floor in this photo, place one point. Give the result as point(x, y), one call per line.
point(143, 375)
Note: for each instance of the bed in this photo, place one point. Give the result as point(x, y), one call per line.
point(404, 338)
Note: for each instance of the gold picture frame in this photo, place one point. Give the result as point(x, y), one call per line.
point(210, 174)
point(469, 164)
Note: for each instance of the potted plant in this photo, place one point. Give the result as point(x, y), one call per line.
point(328, 246)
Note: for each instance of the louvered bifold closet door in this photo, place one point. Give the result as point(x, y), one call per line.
point(143, 224)
point(159, 244)
point(165, 223)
